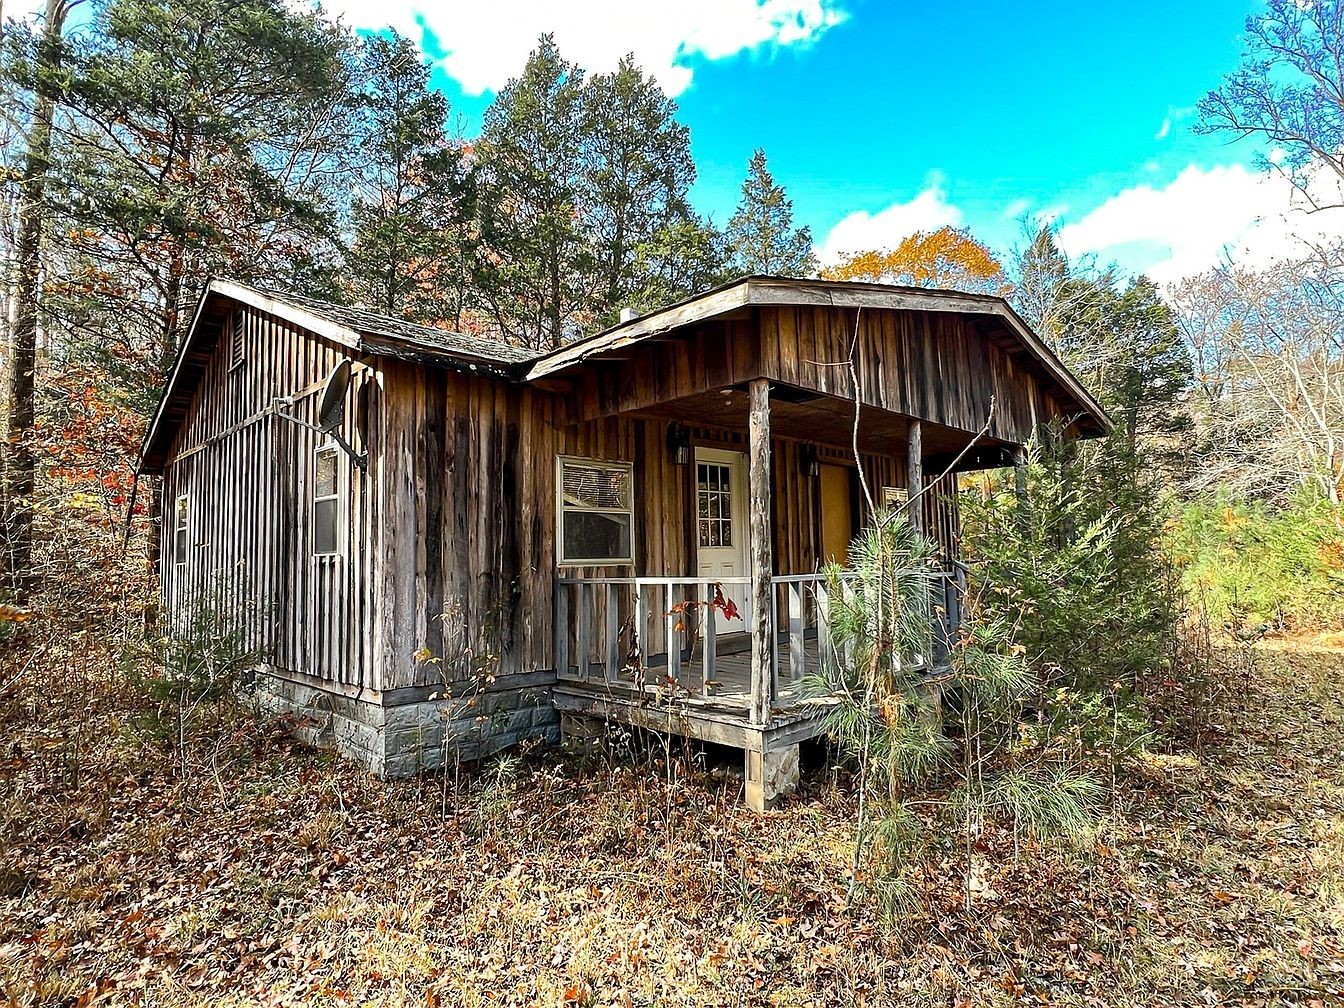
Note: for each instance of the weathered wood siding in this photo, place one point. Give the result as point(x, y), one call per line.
point(449, 542)
point(468, 564)
point(248, 477)
point(936, 366)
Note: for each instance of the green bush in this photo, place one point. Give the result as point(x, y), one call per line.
point(1247, 563)
point(198, 667)
point(1076, 565)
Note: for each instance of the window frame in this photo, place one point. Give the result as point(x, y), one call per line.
point(610, 465)
point(181, 527)
point(314, 498)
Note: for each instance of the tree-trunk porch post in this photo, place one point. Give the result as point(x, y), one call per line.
point(915, 475)
point(762, 558)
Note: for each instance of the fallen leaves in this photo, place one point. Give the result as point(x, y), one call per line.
point(616, 887)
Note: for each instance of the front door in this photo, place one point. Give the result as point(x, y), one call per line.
point(721, 527)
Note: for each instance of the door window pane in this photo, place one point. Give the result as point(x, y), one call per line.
point(714, 504)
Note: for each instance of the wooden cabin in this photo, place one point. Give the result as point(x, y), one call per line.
point(517, 541)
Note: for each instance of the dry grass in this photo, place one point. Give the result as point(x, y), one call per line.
point(300, 880)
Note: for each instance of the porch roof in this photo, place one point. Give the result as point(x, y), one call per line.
point(760, 291)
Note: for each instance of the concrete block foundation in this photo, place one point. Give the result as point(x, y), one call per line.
point(402, 739)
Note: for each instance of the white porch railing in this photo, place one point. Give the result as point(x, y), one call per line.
point(616, 631)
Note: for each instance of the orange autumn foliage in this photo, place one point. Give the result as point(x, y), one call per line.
point(948, 258)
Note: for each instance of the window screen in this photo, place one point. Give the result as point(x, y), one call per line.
point(326, 501)
point(180, 530)
point(596, 512)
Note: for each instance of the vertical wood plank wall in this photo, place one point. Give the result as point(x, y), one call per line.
point(938, 366)
point(248, 477)
point(448, 543)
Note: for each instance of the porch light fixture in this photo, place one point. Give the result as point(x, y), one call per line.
point(807, 459)
point(679, 444)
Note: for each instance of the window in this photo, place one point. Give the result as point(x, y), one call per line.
point(180, 530)
point(714, 503)
point(595, 511)
point(326, 501)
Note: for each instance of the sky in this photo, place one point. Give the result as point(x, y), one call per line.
point(882, 118)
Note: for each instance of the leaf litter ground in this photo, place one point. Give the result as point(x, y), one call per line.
point(249, 870)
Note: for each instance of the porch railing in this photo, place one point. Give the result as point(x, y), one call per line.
point(663, 632)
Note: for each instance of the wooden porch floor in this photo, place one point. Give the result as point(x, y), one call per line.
point(686, 709)
point(733, 676)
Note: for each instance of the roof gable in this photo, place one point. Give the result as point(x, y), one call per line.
point(366, 331)
point(359, 329)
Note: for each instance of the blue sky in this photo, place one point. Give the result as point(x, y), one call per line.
point(881, 118)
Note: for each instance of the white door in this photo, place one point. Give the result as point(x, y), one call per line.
point(721, 528)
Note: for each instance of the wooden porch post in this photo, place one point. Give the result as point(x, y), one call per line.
point(915, 478)
point(762, 558)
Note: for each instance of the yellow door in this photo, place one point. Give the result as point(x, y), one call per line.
point(837, 513)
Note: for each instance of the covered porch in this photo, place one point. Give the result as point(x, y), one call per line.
point(735, 646)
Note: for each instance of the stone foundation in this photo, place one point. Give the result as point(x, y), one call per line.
point(400, 739)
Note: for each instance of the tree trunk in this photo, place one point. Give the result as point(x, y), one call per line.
point(761, 537)
point(21, 463)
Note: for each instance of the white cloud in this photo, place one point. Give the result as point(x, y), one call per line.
point(862, 231)
point(487, 42)
point(1201, 217)
point(1175, 113)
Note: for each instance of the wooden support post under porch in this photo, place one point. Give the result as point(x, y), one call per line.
point(915, 480)
point(761, 559)
point(771, 773)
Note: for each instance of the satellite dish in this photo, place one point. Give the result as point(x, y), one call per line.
point(331, 410)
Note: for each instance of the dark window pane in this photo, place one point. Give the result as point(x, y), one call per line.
point(590, 535)
point(325, 513)
point(180, 546)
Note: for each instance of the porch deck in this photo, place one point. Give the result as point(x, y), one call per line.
point(706, 686)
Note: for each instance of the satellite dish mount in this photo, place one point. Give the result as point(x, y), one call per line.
point(330, 413)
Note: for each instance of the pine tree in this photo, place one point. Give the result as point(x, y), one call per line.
point(684, 258)
point(203, 137)
point(638, 171)
point(539, 264)
point(413, 231)
point(197, 137)
point(761, 235)
point(20, 464)
point(1118, 336)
